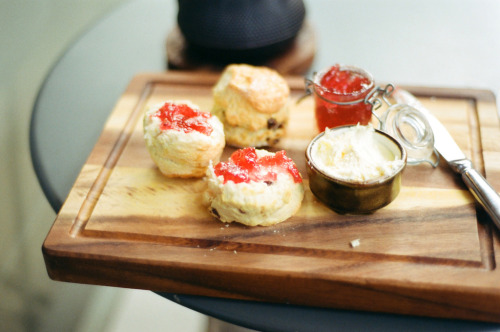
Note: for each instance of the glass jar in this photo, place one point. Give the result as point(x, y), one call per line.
point(340, 96)
point(410, 127)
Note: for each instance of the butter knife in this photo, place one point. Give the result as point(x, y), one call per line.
point(449, 150)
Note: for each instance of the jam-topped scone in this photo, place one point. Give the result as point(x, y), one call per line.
point(254, 187)
point(252, 103)
point(181, 139)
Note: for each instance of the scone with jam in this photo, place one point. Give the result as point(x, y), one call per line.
point(254, 187)
point(181, 139)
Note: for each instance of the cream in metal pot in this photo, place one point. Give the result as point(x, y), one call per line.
point(354, 154)
point(355, 169)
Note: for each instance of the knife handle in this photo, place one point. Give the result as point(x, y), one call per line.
point(480, 189)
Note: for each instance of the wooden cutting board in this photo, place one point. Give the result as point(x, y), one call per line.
point(431, 252)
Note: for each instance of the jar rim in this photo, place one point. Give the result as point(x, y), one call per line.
point(319, 75)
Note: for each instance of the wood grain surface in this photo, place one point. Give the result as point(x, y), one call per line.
point(431, 252)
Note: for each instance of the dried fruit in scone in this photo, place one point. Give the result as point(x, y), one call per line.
point(254, 187)
point(181, 139)
point(252, 103)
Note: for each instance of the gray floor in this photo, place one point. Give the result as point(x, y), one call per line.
point(33, 34)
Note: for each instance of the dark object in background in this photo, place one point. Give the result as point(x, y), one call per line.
point(240, 30)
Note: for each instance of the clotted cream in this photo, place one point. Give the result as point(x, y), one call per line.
point(354, 154)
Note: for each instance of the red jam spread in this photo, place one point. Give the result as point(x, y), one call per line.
point(244, 166)
point(181, 117)
point(342, 85)
point(344, 81)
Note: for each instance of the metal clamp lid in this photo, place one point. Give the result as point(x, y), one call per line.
point(408, 125)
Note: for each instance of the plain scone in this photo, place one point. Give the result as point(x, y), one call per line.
point(181, 154)
point(252, 103)
point(253, 203)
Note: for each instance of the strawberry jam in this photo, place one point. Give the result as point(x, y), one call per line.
point(181, 117)
point(244, 166)
point(342, 85)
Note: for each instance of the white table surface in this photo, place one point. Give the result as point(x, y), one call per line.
point(441, 43)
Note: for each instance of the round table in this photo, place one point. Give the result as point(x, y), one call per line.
point(432, 43)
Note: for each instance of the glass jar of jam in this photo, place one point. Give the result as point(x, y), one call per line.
point(340, 95)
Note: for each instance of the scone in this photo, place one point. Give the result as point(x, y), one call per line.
point(252, 103)
point(181, 139)
point(254, 187)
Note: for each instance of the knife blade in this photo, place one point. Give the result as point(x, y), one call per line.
point(444, 143)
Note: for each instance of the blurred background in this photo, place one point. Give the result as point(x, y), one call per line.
point(33, 35)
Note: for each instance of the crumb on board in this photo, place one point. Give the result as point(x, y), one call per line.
point(354, 243)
